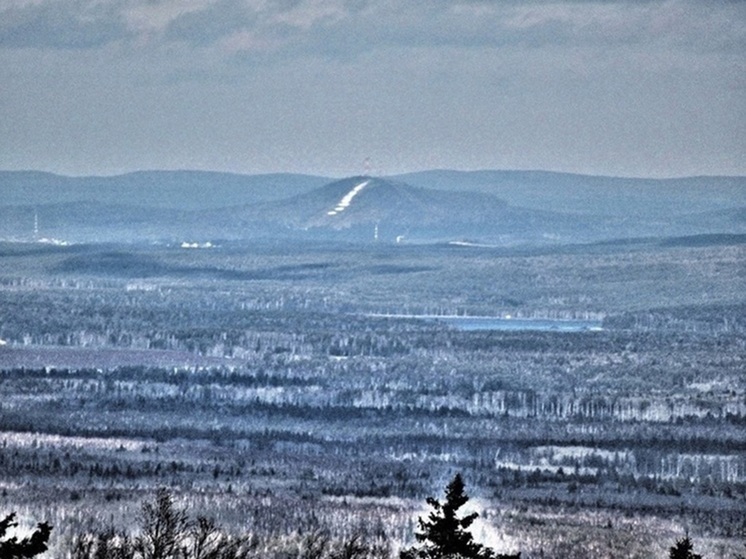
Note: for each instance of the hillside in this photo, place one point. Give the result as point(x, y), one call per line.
point(613, 196)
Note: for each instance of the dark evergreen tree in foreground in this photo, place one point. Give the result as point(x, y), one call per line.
point(683, 550)
point(36, 543)
point(445, 535)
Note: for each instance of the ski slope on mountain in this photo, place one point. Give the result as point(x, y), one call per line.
point(345, 202)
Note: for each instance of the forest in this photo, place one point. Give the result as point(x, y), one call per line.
point(312, 396)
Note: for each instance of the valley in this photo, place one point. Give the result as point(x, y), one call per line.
point(287, 386)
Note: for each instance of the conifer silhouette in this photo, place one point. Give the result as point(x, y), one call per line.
point(31, 546)
point(683, 549)
point(445, 535)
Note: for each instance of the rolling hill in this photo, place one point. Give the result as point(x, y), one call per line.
point(597, 195)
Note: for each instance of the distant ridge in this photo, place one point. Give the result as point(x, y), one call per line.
point(505, 208)
point(185, 190)
point(598, 195)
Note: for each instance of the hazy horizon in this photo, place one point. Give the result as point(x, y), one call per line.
point(362, 172)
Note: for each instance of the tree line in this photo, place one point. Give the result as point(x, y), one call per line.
point(167, 531)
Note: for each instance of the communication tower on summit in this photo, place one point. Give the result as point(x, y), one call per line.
point(367, 166)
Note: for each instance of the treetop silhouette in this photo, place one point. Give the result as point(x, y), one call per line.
point(683, 549)
point(445, 535)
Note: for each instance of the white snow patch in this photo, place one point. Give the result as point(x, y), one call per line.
point(470, 244)
point(708, 386)
point(346, 200)
point(16, 439)
point(52, 241)
point(484, 529)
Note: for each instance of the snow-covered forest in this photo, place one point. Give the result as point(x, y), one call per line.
point(294, 394)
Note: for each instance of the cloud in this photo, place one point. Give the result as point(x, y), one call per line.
point(667, 25)
point(58, 24)
point(345, 27)
point(211, 23)
point(601, 86)
point(153, 17)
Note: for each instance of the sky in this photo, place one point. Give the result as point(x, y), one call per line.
point(643, 88)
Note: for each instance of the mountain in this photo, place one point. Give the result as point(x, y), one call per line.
point(369, 208)
point(539, 190)
point(481, 208)
point(368, 200)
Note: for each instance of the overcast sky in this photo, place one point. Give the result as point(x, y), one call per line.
point(631, 88)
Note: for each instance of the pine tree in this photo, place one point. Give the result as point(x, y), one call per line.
point(683, 549)
point(445, 535)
